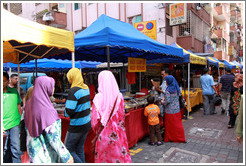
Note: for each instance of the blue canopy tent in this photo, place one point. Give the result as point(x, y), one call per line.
point(49, 65)
point(110, 40)
point(229, 64)
point(238, 64)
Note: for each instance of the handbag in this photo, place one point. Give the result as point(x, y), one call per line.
point(182, 102)
point(101, 127)
point(23, 136)
point(217, 100)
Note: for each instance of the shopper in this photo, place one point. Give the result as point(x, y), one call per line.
point(226, 82)
point(14, 84)
point(152, 111)
point(108, 122)
point(11, 120)
point(208, 91)
point(236, 91)
point(174, 130)
point(78, 109)
point(239, 128)
point(43, 125)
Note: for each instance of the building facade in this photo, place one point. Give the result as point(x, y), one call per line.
point(209, 27)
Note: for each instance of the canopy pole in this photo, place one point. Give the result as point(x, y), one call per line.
point(139, 81)
point(188, 91)
point(184, 82)
point(108, 57)
point(18, 78)
point(218, 74)
point(36, 70)
point(73, 59)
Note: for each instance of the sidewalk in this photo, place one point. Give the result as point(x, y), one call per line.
point(208, 141)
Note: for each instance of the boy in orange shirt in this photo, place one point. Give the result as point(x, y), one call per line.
point(152, 111)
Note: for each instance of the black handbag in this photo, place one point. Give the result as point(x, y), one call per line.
point(217, 100)
point(182, 102)
point(23, 136)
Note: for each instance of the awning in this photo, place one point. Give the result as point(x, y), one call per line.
point(238, 64)
point(24, 40)
point(230, 64)
point(45, 65)
point(193, 59)
point(212, 61)
point(221, 64)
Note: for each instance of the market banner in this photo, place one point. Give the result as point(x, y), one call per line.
point(148, 28)
point(194, 59)
point(136, 64)
point(178, 13)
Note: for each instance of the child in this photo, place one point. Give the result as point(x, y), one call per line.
point(152, 111)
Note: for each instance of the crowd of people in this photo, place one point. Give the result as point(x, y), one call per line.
point(105, 118)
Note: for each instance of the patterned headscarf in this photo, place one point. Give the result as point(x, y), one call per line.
point(74, 76)
point(238, 80)
point(39, 111)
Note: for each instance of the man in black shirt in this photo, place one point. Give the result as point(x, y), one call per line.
point(226, 82)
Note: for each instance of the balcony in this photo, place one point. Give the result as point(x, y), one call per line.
point(220, 13)
point(221, 55)
point(190, 42)
point(60, 20)
point(220, 33)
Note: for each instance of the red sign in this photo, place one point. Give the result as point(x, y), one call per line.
point(140, 27)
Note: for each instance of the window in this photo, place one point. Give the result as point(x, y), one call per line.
point(36, 4)
point(76, 6)
point(135, 19)
point(169, 29)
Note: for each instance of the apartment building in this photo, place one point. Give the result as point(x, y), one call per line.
point(208, 26)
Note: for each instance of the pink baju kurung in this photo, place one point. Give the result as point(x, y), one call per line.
point(112, 144)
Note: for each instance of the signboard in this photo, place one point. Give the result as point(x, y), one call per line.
point(178, 13)
point(148, 28)
point(136, 65)
point(230, 50)
point(208, 48)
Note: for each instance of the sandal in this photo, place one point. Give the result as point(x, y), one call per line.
point(159, 143)
point(152, 143)
point(230, 126)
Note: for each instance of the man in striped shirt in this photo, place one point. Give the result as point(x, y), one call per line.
point(78, 109)
point(226, 82)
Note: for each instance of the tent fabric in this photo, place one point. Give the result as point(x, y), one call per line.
point(238, 64)
point(221, 64)
point(27, 40)
point(49, 65)
point(193, 59)
point(229, 64)
point(212, 62)
point(122, 39)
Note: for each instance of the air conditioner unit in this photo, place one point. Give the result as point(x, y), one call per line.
point(160, 5)
point(48, 16)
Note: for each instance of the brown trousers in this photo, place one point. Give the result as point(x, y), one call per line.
point(155, 129)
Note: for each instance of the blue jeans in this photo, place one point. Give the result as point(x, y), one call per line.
point(12, 152)
point(74, 142)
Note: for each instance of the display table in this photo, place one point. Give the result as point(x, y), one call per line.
point(195, 97)
point(136, 125)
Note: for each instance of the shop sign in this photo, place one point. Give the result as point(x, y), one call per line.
point(230, 50)
point(198, 60)
point(148, 28)
point(178, 13)
point(136, 65)
point(208, 48)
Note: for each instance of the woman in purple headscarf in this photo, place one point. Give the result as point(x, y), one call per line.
point(174, 130)
point(43, 126)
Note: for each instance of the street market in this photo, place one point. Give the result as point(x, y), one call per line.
point(72, 75)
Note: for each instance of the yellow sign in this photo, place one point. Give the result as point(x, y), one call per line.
point(148, 28)
point(136, 65)
point(194, 59)
point(230, 50)
point(177, 13)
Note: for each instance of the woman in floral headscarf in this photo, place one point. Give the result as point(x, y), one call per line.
point(111, 145)
point(43, 125)
point(236, 91)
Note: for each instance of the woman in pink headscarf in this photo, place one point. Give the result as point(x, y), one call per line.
point(43, 125)
point(111, 145)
